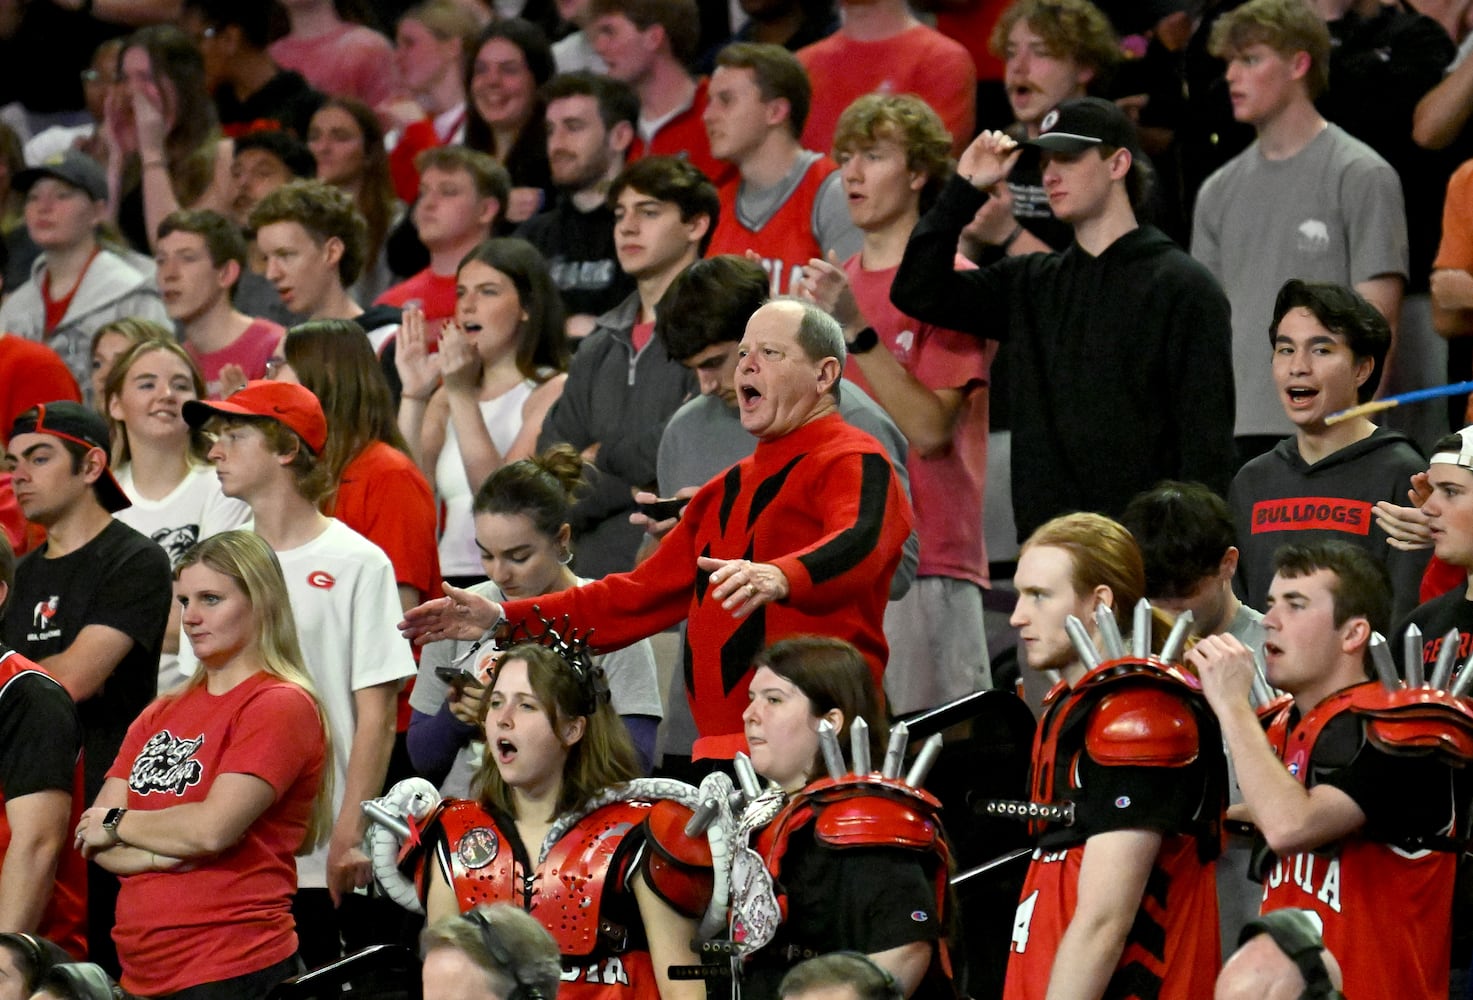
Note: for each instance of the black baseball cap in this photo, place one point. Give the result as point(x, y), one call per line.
point(80, 425)
point(1084, 123)
point(72, 167)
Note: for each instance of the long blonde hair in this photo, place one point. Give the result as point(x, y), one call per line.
point(246, 558)
point(122, 454)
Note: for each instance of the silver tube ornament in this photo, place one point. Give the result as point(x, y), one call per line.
point(1109, 630)
point(1411, 646)
point(1381, 660)
point(1140, 630)
point(828, 743)
point(859, 746)
point(746, 775)
point(1176, 640)
point(1083, 645)
point(387, 820)
point(924, 761)
point(895, 750)
point(702, 818)
point(1447, 653)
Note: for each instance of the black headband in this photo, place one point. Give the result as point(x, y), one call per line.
point(1297, 936)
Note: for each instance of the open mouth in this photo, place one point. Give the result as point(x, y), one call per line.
point(506, 751)
point(471, 328)
point(1300, 394)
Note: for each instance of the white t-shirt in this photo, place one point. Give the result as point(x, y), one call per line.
point(503, 419)
point(347, 608)
point(193, 511)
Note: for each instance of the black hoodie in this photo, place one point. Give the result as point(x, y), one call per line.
point(1120, 364)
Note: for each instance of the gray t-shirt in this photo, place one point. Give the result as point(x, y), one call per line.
point(1332, 212)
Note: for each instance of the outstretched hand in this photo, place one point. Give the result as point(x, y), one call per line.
point(460, 614)
point(742, 586)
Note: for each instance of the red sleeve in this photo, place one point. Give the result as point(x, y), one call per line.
point(389, 502)
point(627, 607)
point(867, 521)
point(276, 736)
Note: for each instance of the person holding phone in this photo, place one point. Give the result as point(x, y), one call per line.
point(524, 539)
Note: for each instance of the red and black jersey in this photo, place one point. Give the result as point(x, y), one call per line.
point(1384, 895)
point(1132, 746)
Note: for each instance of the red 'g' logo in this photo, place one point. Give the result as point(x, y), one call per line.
point(321, 579)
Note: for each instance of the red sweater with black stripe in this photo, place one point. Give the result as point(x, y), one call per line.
point(822, 504)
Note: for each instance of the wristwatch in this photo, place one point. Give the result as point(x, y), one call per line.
point(864, 341)
point(111, 820)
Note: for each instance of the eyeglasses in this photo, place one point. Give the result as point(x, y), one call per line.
point(274, 366)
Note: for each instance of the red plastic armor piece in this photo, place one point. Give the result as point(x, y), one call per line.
point(1147, 726)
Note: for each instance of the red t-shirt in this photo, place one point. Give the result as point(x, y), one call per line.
point(948, 487)
point(229, 914)
point(435, 292)
point(251, 350)
point(919, 60)
point(384, 497)
point(685, 136)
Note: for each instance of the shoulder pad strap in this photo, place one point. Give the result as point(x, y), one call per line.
point(677, 868)
point(1144, 725)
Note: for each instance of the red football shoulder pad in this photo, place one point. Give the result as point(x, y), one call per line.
point(1142, 725)
point(1416, 720)
point(875, 822)
point(676, 867)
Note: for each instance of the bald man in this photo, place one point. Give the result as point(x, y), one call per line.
point(1282, 957)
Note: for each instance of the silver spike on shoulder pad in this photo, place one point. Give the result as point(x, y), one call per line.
point(1109, 629)
point(828, 743)
point(1411, 646)
point(895, 751)
point(859, 746)
point(924, 761)
point(1176, 641)
point(1084, 646)
point(1381, 660)
point(1447, 654)
point(1140, 630)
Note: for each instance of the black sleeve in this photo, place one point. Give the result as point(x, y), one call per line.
point(135, 591)
point(1164, 799)
point(884, 900)
point(40, 736)
point(1401, 795)
point(927, 284)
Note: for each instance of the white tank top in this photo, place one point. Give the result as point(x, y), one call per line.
point(503, 419)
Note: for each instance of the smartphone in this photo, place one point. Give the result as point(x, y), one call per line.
point(453, 675)
point(664, 509)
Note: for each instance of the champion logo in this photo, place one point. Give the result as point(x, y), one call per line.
point(321, 579)
point(1123, 802)
point(919, 916)
point(1049, 120)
